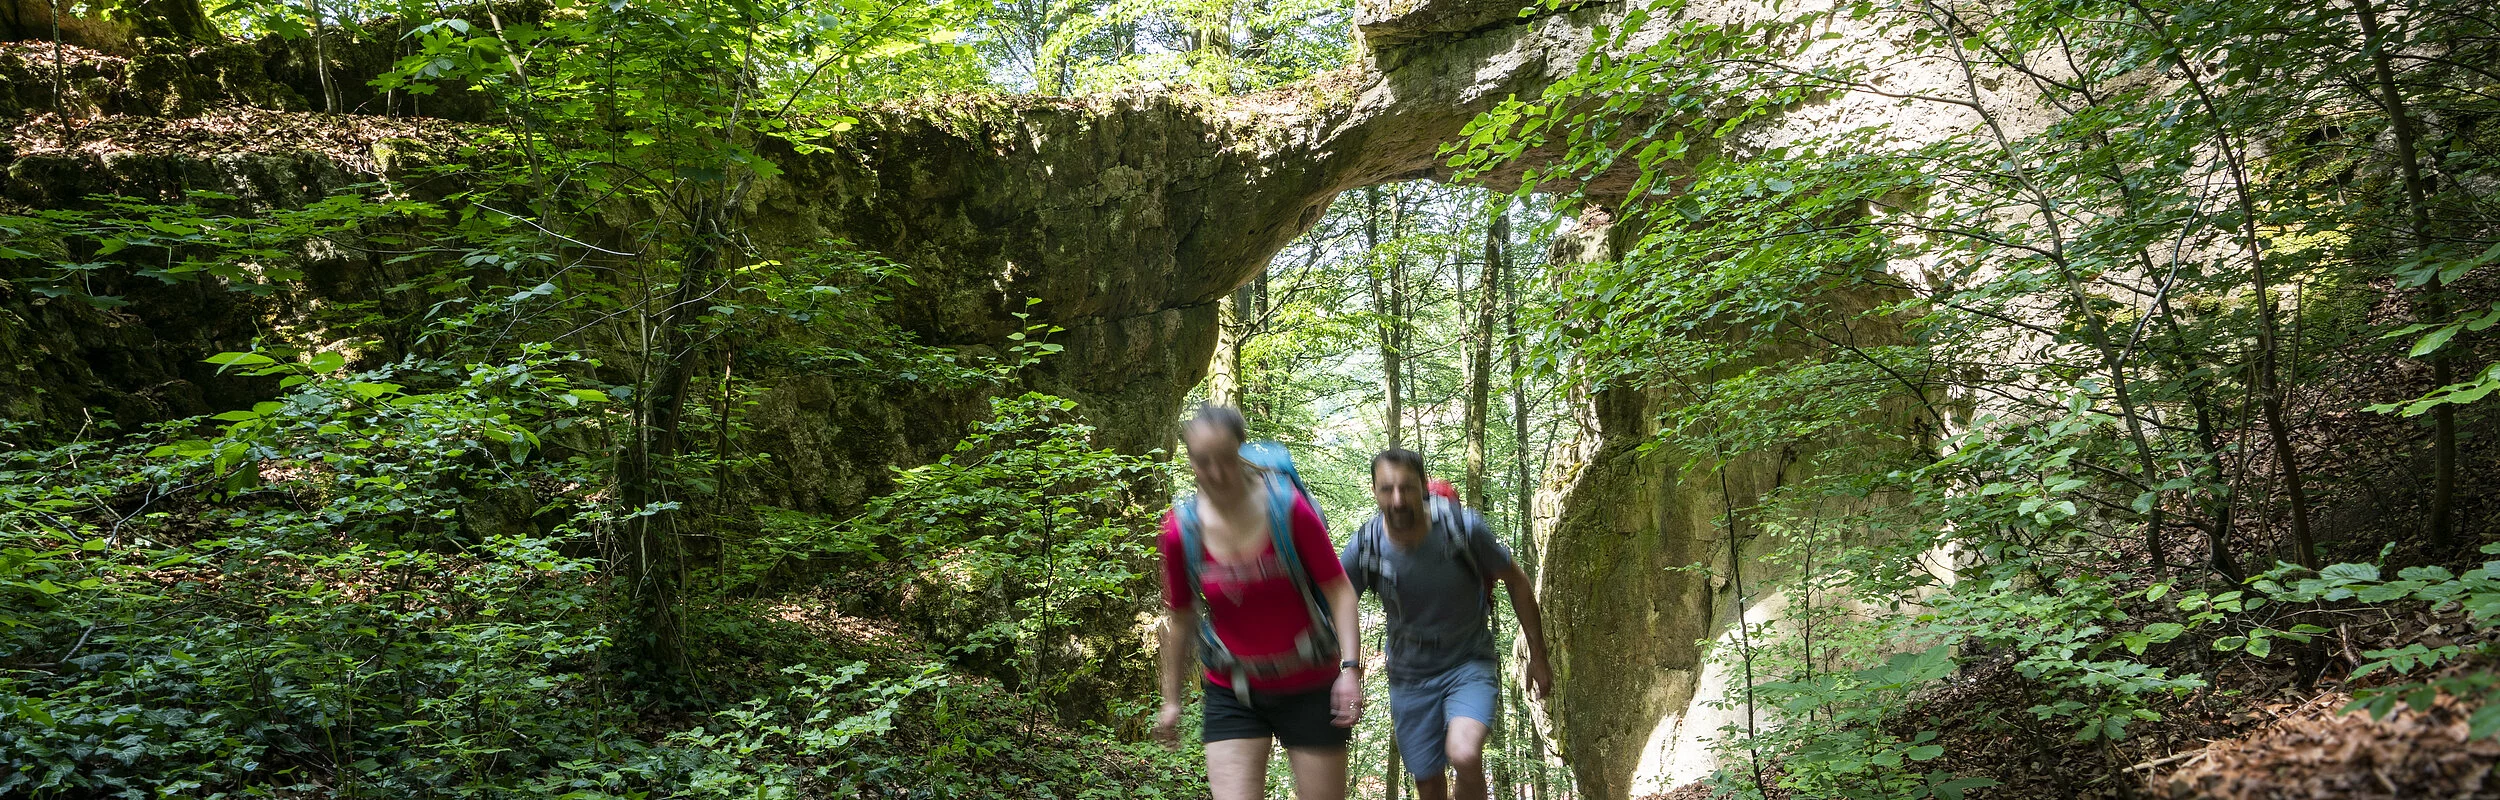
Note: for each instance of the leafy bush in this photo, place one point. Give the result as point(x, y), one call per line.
point(311, 596)
point(2475, 593)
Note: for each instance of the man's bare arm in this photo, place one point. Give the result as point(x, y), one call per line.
point(1540, 674)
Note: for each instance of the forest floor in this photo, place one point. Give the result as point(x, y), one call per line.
point(2274, 727)
point(2254, 734)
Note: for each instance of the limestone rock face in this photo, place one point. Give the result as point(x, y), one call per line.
point(1638, 696)
point(108, 25)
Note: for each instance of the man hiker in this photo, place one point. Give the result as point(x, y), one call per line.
point(1433, 563)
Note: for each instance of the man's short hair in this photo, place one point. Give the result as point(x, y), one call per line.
point(1411, 460)
point(1224, 418)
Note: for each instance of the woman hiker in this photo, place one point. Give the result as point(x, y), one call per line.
point(1283, 651)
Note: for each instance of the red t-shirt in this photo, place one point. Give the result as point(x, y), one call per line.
point(1254, 605)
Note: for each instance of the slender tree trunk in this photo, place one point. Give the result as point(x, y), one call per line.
point(1397, 770)
point(1401, 325)
point(2077, 293)
point(1523, 504)
point(1480, 361)
point(2267, 379)
point(2221, 505)
point(2217, 504)
point(321, 57)
point(653, 556)
point(1506, 771)
point(1255, 312)
point(2435, 294)
point(1386, 297)
point(1232, 321)
point(1216, 39)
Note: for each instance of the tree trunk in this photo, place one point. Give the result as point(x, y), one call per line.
point(1523, 505)
point(321, 57)
point(652, 560)
point(1397, 769)
point(2435, 300)
point(1386, 298)
point(1480, 358)
point(1232, 327)
point(1255, 312)
point(2267, 382)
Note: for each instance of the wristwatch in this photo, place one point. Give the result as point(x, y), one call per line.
point(1348, 664)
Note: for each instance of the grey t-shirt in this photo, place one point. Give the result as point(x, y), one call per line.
point(1436, 606)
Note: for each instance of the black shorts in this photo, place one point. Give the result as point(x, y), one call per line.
point(1301, 719)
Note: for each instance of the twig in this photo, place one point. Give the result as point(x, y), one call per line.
point(2188, 757)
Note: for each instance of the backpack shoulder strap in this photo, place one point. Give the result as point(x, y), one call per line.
point(1193, 539)
point(1280, 529)
point(1358, 551)
point(1450, 520)
point(1211, 649)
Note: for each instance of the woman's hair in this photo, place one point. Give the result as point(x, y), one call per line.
point(1223, 418)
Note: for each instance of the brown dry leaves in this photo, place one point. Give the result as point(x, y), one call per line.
point(42, 58)
point(2312, 751)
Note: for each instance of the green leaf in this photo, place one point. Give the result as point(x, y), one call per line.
point(371, 390)
point(1954, 789)
point(2434, 340)
point(2351, 572)
point(535, 291)
point(240, 360)
point(2486, 720)
point(33, 711)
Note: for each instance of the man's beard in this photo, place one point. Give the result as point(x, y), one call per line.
point(1398, 516)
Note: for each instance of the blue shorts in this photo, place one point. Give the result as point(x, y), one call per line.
point(1421, 710)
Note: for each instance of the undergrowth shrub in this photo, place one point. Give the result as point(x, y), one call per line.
point(314, 595)
point(297, 601)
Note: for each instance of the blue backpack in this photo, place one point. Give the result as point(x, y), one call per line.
point(1318, 644)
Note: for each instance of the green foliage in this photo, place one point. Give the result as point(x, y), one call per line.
point(2063, 638)
point(375, 583)
point(1027, 510)
point(1222, 46)
point(917, 734)
point(82, 254)
point(311, 596)
point(432, 572)
point(2475, 593)
point(1835, 747)
point(2010, 365)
